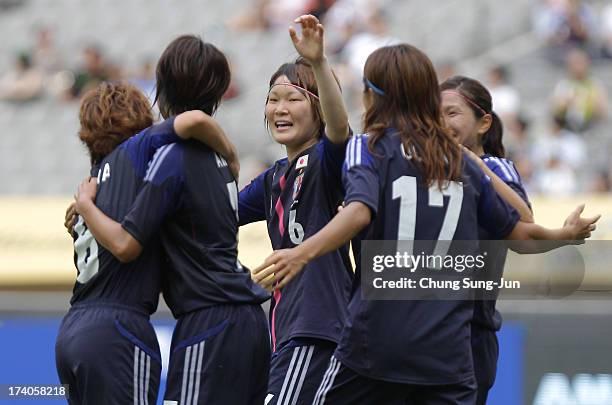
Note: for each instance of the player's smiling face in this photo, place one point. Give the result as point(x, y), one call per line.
point(460, 120)
point(289, 115)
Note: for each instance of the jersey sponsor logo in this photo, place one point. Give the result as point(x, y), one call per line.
point(302, 162)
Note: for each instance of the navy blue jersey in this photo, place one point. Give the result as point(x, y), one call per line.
point(189, 195)
point(101, 277)
point(297, 199)
point(414, 342)
point(485, 313)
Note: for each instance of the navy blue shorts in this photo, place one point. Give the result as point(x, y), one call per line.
point(485, 351)
point(219, 355)
point(108, 354)
point(296, 371)
point(341, 385)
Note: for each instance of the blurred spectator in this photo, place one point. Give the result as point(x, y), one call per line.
point(319, 8)
point(346, 18)
point(144, 79)
point(45, 54)
point(519, 146)
point(266, 14)
point(233, 91)
point(445, 70)
point(506, 99)
point(606, 30)
point(6, 5)
point(579, 100)
point(23, 83)
point(565, 24)
point(600, 183)
point(556, 179)
point(361, 45)
point(562, 144)
point(516, 138)
point(253, 19)
point(94, 71)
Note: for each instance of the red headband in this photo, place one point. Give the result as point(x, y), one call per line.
point(467, 100)
point(296, 86)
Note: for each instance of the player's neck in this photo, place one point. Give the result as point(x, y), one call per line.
point(294, 151)
point(478, 150)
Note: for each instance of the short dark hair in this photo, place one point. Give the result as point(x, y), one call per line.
point(191, 75)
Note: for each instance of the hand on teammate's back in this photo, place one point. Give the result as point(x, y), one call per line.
point(279, 268)
point(86, 193)
point(70, 217)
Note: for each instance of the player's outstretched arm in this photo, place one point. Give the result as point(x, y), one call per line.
point(202, 127)
point(311, 47)
point(575, 230)
point(107, 232)
point(504, 190)
point(285, 264)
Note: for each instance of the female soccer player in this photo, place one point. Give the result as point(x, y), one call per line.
point(106, 349)
point(297, 197)
point(220, 350)
point(468, 114)
point(406, 181)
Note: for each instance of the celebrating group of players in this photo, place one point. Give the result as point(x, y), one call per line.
point(161, 214)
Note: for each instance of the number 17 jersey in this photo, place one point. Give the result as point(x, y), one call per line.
point(414, 342)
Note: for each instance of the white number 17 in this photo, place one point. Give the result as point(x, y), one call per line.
point(405, 188)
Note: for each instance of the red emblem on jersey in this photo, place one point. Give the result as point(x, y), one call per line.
point(302, 162)
point(297, 185)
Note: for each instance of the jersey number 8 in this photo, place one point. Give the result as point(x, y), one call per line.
point(86, 249)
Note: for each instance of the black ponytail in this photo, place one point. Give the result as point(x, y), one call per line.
point(492, 139)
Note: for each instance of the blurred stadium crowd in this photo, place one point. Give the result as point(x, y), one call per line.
point(550, 85)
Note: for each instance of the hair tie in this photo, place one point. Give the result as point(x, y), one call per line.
point(371, 85)
point(467, 99)
point(296, 86)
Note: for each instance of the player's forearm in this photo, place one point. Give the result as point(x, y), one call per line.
point(110, 233)
point(332, 105)
point(341, 229)
point(509, 195)
point(528, 235)
point(203, 128)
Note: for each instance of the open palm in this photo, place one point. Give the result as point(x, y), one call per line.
point(310, 44)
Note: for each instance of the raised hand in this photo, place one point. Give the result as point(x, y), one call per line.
point(580, 227)
point(310, 46)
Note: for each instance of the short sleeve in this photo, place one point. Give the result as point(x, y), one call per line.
point(494, 214)
point(142, 146)
point(252, 201)
point(159, 195)
point(332, 158)
point(506, 171)
point(360, 174)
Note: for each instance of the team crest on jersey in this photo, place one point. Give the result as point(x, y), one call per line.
point(302, 162)
point(297, 185)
